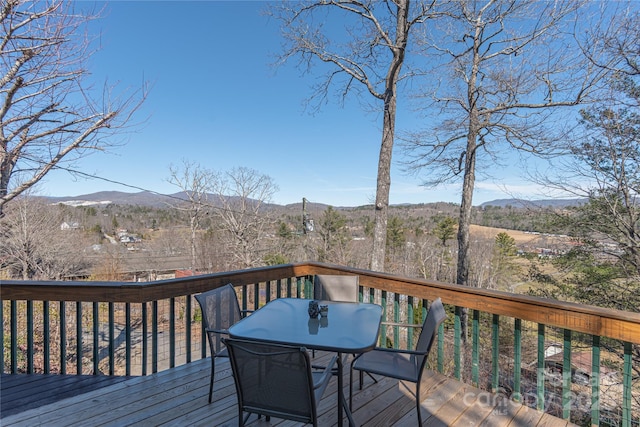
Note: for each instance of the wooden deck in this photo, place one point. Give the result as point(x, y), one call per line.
point(178, 397)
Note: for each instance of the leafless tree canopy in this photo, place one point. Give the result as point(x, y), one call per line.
point(364, 54)
point(49, 115)
point(242, 195)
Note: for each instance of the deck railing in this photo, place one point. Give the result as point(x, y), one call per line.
point(517, 344)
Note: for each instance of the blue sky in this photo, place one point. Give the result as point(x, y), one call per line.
point(216, 100)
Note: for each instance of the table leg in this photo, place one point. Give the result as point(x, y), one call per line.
point(342, 401)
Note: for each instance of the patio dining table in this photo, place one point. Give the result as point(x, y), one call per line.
point(348, 328)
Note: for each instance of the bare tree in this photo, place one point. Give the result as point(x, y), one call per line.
point(196, 183)
point(48, 116)
point(33, 246)
point(245, 220)
point(368, 57)
point(508, 66)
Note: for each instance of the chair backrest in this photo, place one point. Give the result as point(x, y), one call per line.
point(220, 310)
point(273, 380)
point(330, 287)
point(435, 317)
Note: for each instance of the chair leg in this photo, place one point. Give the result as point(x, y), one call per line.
point(351, 388)
point(213, 371)
point(418, 403)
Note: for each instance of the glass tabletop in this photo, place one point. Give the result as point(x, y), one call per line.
point(348, 327)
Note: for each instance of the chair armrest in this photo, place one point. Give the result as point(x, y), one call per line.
point(398, 350)
point(328, 371)
point(218, 331)
point(405, 325)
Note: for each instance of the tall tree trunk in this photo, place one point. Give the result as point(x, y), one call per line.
point(388, 133)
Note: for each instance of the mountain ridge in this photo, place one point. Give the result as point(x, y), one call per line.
point(151, 199)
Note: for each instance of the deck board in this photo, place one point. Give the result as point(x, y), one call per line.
point(178, 397)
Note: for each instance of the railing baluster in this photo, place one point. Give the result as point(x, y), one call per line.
point(63, 338)
point(47, 336)
point(112, 333)
point(188, 327)
point(440, 348)
point(475, 353)
point(127, 326)
point(495, 352)
point(78, 338)
point(626, 386)
point(30, 337)
point(540, 371)
point(14, 337)
point(245, 298)
point(396, 319)
point(289, 282)
point(517, 360)
point(410, 319)
point(154, 336)
point(268, 291)
point(457, 343)
point(96, 335)
point(256, 296)
point(595, 381)
point(145, 338)
point(172, 332)
point(566, 376)
point(383, 331)
point(2, 336)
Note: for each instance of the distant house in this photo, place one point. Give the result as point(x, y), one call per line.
point(66, 226)
point(581, 365)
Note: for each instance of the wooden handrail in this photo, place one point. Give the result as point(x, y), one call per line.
point(583, 318)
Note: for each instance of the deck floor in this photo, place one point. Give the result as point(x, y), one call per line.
point(178, 397)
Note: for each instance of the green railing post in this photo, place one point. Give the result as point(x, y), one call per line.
point(457, 338)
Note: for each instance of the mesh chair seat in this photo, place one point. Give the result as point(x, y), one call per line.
point(403, 365)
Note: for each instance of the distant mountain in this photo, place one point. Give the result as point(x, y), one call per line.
point(547, 203)
point(148, 198)
point(143, 198)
